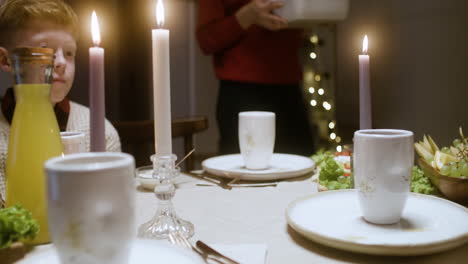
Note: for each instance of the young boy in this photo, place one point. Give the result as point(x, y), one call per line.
point(48, 24)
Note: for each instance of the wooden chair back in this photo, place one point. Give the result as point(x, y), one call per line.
point(136, 136)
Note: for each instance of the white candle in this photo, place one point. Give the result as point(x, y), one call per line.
point(365, 109)
point(161, 86)
point(97, 107)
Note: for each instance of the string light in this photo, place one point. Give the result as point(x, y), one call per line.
point(314, 39)
point(313, 55)
point(326, 105)
point(309, 76)
point(314, 81)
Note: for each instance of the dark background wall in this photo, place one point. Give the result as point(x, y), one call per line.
point(126, 33)
point(418, 48)
point(419, 59)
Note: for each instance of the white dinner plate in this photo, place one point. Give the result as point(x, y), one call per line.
point(142, 252)
point(333, 218)
point(282, 166)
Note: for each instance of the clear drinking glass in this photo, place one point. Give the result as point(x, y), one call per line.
point(73, 142)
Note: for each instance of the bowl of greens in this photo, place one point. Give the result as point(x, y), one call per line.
point(446, 167)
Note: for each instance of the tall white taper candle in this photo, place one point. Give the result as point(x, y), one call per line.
point(161, 86)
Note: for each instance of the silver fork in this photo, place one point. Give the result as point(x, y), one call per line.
point(176, 238)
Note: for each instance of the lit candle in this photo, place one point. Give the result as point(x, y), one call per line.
point(365, 109)
point(161, 85)
point(96, 90)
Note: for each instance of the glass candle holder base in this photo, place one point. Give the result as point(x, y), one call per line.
point(165, 220)
point(164, 223)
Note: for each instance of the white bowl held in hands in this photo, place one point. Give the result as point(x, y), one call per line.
point(299, 12)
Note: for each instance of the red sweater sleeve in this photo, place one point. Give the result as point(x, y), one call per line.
point(216, 30)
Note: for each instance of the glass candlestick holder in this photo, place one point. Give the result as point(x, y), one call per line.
point(165, 220)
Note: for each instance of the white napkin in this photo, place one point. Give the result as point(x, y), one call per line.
point(243, 253)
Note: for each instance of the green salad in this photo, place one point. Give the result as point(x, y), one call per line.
point(420, 183)
point(16, 223)
point(320, 157)
point(335, 173)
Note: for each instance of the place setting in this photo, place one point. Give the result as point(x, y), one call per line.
point(84, 222)
point(257, 161)
point(255, 166)
point(381, 216)
point(93, 221)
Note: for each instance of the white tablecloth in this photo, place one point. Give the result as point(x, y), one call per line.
point(257, 216)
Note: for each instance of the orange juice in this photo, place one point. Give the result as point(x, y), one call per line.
point(34, 138)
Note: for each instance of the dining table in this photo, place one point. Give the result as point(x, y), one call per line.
point(252, 216)
point(257, 216)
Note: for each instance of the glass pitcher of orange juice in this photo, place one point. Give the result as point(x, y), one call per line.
point(34, 135)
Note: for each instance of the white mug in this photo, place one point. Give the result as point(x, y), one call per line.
point(73, 142)
point(257, 138)
point(91, 203)
point(383, 161)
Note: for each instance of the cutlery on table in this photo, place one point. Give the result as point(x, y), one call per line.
point(218, 182)
point(211, 251)
point(177, 238)
point(246, 185)
point(234, 182)
point(184, 158)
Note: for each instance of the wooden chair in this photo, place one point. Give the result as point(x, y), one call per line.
point(137, 137)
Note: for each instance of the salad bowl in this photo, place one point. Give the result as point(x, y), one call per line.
point(453, 188)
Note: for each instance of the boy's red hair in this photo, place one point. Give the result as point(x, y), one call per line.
point(15, 14)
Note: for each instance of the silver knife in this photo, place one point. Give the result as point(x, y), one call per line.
point(209, 250)
point(202, 177)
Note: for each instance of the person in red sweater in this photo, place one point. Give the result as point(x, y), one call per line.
point(255, 57)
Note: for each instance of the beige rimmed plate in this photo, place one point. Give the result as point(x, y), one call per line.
point(143, 252)
point(333, 218)
point(282, 166)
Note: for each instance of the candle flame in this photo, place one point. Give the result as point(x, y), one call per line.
point(95, 29)
point(365, 44)
point(160, 13)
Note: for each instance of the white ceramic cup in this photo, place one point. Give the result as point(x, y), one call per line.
point(383, 161)
point(91, 201)
point(73, 142)
point(257, 138)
